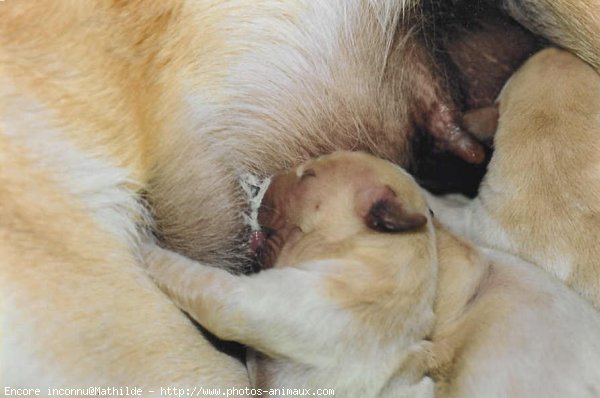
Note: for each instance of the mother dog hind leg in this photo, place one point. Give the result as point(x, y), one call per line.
point(62, 327)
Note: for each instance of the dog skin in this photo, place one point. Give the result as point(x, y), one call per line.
point(540, 199)
point(347, 299)
point(348, 303)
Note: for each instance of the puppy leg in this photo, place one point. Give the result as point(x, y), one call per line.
point(275, 312)
point(574, 25)
point(453, 211)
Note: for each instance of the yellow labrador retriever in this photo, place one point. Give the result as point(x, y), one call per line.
point(354, 303)
point(124, 119)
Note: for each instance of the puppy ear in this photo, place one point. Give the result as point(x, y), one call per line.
point(390, 216)
point(385, 213)
point(482, 122)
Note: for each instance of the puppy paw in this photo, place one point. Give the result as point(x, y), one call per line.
point(482, 123)
point(158, 262)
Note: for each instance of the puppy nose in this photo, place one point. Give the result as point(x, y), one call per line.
point(257, 240)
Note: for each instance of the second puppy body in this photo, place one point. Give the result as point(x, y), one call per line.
point(540, 199)
point(359, 270)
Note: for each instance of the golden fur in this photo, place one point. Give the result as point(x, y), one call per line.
point(555, 211)
point(573, 25)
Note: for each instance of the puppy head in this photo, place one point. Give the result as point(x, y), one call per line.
point(336, 197)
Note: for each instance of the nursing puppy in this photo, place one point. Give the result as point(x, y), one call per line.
point(540, 199)
point(348, 303)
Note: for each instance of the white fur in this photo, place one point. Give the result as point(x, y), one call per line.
point(553, 346)
point(335, 43)
point(470, 219)
point(27, 369)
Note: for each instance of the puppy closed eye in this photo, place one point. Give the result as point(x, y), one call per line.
point(307, 173)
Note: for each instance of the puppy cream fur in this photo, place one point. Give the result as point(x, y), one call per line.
point(350, 302)
point(120, 118)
